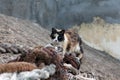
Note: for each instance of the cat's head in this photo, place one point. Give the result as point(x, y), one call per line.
point(57, 35)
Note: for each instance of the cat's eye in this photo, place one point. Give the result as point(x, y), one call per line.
point(60, 38)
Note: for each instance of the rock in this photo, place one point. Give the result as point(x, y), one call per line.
point(19, 30)
point(14, 50)
point(2, 50)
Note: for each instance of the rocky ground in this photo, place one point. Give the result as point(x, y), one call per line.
point(25, 33)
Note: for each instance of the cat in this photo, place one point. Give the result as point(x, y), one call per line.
point(69, 40)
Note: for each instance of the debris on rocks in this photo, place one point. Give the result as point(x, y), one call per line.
point(13, 48)
point(66, 68)
point(33, 74)
point(16, 67)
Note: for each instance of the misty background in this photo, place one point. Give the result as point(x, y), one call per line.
point(62, 13)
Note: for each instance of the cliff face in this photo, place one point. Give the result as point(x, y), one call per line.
point(102, 36)
point(61, 13)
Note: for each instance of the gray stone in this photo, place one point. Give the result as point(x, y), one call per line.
point(2, 50)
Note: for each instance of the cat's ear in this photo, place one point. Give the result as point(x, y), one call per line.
point(53, 30)
point(62, 31)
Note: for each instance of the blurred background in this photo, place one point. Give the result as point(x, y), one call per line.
point(62, 13)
